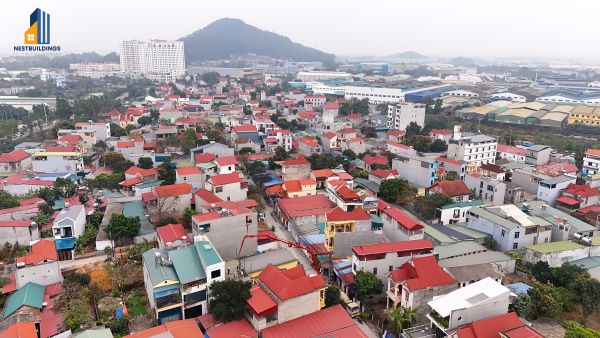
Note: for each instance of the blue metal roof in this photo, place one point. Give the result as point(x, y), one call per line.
point(65, 243)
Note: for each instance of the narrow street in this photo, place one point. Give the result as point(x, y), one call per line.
point(77, 263)
point(284, 234)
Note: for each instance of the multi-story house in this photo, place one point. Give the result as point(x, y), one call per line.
point(591, 162)
point(57, 162)
point(300, 188)
point(169, 200)
point(380, 175)
point(283, 295)
point(480, 300)
point(505, 325)
point(456, 212)
point(190, 175)
point(101, 129)
point(402, 114)
point(157, 59)
point(537, 154)
point(420, 170)
point(448, 166)
point(456, 190)
point(283, 139)
point(70, 222)
point(400, 148)
point(295, 168)
point(509, 226)
point(564, 226)
point(314, 100)
point(178, 281)
point(416, 282)
point(39, 266)
point(14, 161)
point(550, 189)
point(226, 165)
point(343, 196)
point(22, 185)
point(513, 154)
point(300, 215)
point(474, 149)
point(398, 226)
point(19, 231)
point(338, 222)
point(486, 188)
point(228, 187)
point(577, 196)
point(382, 258)
point(329, 141)
point(308, 145)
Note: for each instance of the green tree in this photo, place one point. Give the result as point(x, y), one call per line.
point(361, 173)
point(165, 220)
point(545, 300)
point(324, 161)
point(413, 129)
point(64, 187)
point(186, 220)
point(116, 161)
point(367, 286)
point(117, 131)
point(226, 297)
point(438, 146)
point(401, 317)
point(332, 296)
point(46, 193)
point(586, 292)
point(211, 78)
point(368, 132)
point(7, 200)
point(120, 227)
point(566, 274)
point(145, 162)
point(350, 154)
point(541, 271)
point(189, 140)
point(393, 189)
point(246, 150)
point(426, 205)
point(166, 172)
point(418, 142)
point(255, 168)
point(145, 120)
point(576, 330)
point(280, 154)
point(42, 218)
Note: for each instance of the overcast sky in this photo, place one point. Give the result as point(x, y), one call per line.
point(501, 28)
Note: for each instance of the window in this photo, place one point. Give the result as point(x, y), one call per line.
point(517, 234)
point(390, 268)
point(502, 233)
point(219, 189)
point(374, 271)
point(215, 274)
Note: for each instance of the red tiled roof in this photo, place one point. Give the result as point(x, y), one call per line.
point(309, 141)
point(448, 160)
point(403, 219)
point(204, 158)
point(589, 208)
point(492, 168)
point(356, 140)
point(451, 188)
point(378, 159)
point(208, 196)
point(346, 193)
point(71, 139)
point(582, 190)
point(331, 105)
point(11, 285)
point(131, 182)
point(300, 160)
point(318, 173)
point(307, 114)
point(28, 209)
point(226, 160)
point(384, 173)
point(493, 326)
point(441, 131)
point(305, 206)
point(568, 200)
point(143, 172)
point(244, 128)
point(57, 149)
point(329, 135)
point(238, 328)
point(44, 249)
point(248, 204)
point(260, 302)
point(593, 152)
point(292, 186)
point(421, 273)
point(125, 144)
point(418, 245)
point(274, 189)
point(171, 233)
point(333, 321)
point(14, 156)
point(189, 170)
point(396, 132)
point(172, 190)
point(149, 145)
point(502, 148)
point(353, 116)
point(209, 216)
point(15, 223)
point(30, 201)
point(177, 329)
point(399, 145)
point(223, 179)
point(346, 131)
point(19, 179)
point(291, 283)
point(339, 215)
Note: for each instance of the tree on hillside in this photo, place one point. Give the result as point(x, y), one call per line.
point(120, 226)
point(413, 129)
point(145, 162)
point(211, 78)
point(586, 291)
point(227, 297)
point(367, 286)
point(332, 296)
point(438, 146)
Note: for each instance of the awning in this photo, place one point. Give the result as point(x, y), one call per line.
point(65, 243)
point(568, 200)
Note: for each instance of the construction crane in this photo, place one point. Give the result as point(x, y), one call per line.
point(286, 242)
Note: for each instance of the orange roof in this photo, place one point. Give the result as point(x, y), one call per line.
point(226, 160)
point(20, 330)
point(329, 135)
point(142, 172)
point(130, 182)
point(171, 233)
point(189, 170)
point(223, 179)
point(292, 186)
point(339, 215)
point(450, 188)
point(291, 283)
point(593, 152)
point(395, 132)
point(208, 196)
point(125, 144)
point(172, 190)
point(203, 158)
point(323, 173)
point(421, 273)
point(347, 193)
point(178, 329)
point(309, 141)
point(260, 302)
point(42, 250)
point(300, 160)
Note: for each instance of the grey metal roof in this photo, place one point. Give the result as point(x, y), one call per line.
point(473, 259)
point(548, 213)
point(344, 241)
point(448, 231)
point(474, 272)
point(471, 233)
point(71, 212)
point(558, 179)
point(158, 272)
point(458, 249)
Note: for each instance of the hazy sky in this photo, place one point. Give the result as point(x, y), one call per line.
point(473, 28)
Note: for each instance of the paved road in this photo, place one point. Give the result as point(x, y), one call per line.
point(299, 254)
point(77, 263)
point(366, 329)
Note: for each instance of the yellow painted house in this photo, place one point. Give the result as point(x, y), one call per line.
point(587, 115)
point(338, 220)
point(300, 188)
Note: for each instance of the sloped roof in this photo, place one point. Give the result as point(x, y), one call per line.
point(305, 205)
point(223, 179)
point(20, 330)
point(582, 190)
point(260, 302)
point(382, 173)
point(188, 170)
point(493, 326)
point(339, 215)
point(44, 249)
point(452, 188)
point(174, 329)
point(208, 196)
point(403, 219)
point(13, 156)
point(171, 233)
point(31, 294)
point(291, 283)
point(421, 273)
point(172, 190)
point(382, 248)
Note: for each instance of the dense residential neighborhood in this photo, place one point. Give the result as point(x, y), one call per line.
point(159, 193)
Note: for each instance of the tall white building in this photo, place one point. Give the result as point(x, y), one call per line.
point(156, 59)
point(474, 149)
point(403, 113)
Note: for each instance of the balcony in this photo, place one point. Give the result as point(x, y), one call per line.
point(174, 299)
point(442, 322)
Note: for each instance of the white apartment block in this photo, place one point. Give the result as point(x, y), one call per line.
point(488, 189)
point(157, 60)
point(57, 162)
point(102, 129)
point(474, 149)
point(95, 70)
point(321, 75)
point(403, 113)
point(591, 162)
